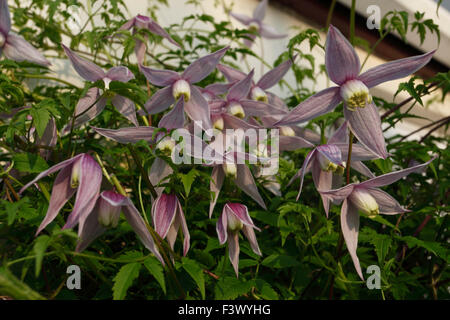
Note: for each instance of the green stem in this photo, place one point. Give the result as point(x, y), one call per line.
point(352, 22)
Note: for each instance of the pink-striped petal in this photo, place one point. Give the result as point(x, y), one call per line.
point(126, 107)
point(233, 250)
point(5, 19)
point(163, 213)
point(331, 152)
point(221, 227)
point(128, 135)
point(158, 172)
point(258, 108)
point(231, 74)
point(260, 11)
point(121, 73)
point(82, 113)
point(293, 143)
point(359, 152)
point(240, 211)
point(242, 18)
point(201, 68)
point(340, 135)
point(197, 108)
point(386, 203)
point(247, 184)
point(272, 77)
point(322, 181)
point(17, 49)
point(350, 230)
point(175, 118)
point(160, 78)
point(157, 29)
point(92, 229)
point(395, 69)
point(181, 220)
point(160, 101)
point(249, 232)
point(86, 69)
point(362, 168)
point(341, 59)
point(215, 185)
point(337, 195)
point(241, 88)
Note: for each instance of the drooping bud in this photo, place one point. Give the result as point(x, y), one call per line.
point(356, 94)
point(181, 88)
point(76, 172)
point(259, 94)
point(236, 109)
point(230, 170)
point(287, 131)
point(108, 210)
point(234, 224)
point(2, 40)
point(326, 164)
point(365, 202)
point(166, 146)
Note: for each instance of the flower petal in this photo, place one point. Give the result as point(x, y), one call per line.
point(126, 107)
point(128, 135)
point(272, 77)
point(361, 168)
point(160, 78)
point(340, 135)
point(316, 105)
point(159, 170)
point(302, 171)
point(160, 101)
point(331, 152)
point(233, 250)
point(396, 69)
point(260, 11)
point(82, 113)
point(157, 29)
point(337, 195)
point(341, 59)
point(17, 49)
point(242, 18)
point(5, 19)
point(392, 177)
point(121, 73)
point(359, 152)
point(293, 143)
point(323, 181)
point(241, 88)
point(247, 184)
point(250, 234)
point(197, 108)
point(258, 108)
point(182, 221)
point(241, 212)
point(350, 230)
point(221, 227)
point(231, 74)
point(175, 118)
point(163, 213)
point(215, 185)
point(91, 230)
point(365, 124)
point(269, 32)
point(386, 203)
point(201, 68)
point(86, 69)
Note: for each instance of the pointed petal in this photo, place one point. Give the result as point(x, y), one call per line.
point(91, 230)
point(386, 203)
point(241, 212)
point(82, 113)
point(86, 69)
point(359, 152)
point(350, 230)
point(392, 177)
point(221, 227)
point(49, 138)
point(197, 108)
point(361, 168)
point(217, 89)
point(5, 19)
point(138, 224)
point(247, 184)
point(128, 25)
point(293, 143)
point(231, 74)
point(158, 172)
point(140, 49)
point(175, 118)
point(51, 170)
point(316, 105)
point(17, 49)
point(126, 107)
point(365, 124)
point(277, 101)
point(395, 69)
point(182, 221)
point(249, 232)
point(260, 11)
point(340, 135)
point(323, 181)
point(302, 171)
point(232, 122)
point(160, 78)
point(61, 193)
point(201, 68)
point(272, 77)
point(249, 42)
point(241, 88)
point(341, 59)
point(163, 213)
point(258, 108)
point(90, 181)
point(127, 135)
point(215, 185)
point(157, 29)
point(160, 101)
point(269, 32)
point(337, 195)
point(121, 73)
point(331, 152)
point(233, 250)
point(242, 18)
point(307, 134)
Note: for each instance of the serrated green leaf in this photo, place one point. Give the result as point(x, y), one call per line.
point(28, 162)
point(124, 279)
point(196, 273)
point(39, 248)
point(156, 270)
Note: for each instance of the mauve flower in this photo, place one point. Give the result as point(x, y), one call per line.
point(92, 72)
point(213, 91)
point(106, 214)
point(352, 88)
point(13, 46)
point(370, 200)
point(144, 22)
point(80, 174)
point(256, 25)
point(168, 217)
point(181, 86)
point(233, 219)
point(258, 91)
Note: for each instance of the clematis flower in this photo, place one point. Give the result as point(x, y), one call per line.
point(92, 72)
point(258, 91)
point(168, 216)
point(366, 197)
point(233, 219)
point(256, 25)
point(144, 22)
point(106, 214)
point(177, 86)
point(352, 88)
point(13, 46)
point(327, 163)
point(237, 104)
point(80, 174)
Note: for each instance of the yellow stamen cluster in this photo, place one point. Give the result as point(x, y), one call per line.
point(355, 94)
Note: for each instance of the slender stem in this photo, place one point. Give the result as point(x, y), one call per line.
point(330, 14)
point(10, 187)
point(138, 162)
point(444, 120)
point(352, 22)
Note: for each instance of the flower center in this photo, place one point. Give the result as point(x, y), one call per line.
point(365, 202)
point(230, 170)
point(166, 146)
point(236, 110)
point(234, 224)
point(75, 176)
point(253, 27)
point(218, 123)
point(326, 164)
point(259, 94)
point(356, 94)
point(287, 131)
point(2, 40)
point(181, 88)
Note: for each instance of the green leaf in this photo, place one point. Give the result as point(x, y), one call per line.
point(156, 270)
point(27, 162)
point(230, 288)
point(196, 273)
point(187, 180)
point(265, 290)
point(280, 261)
point(124, 279)
point(433, 247)
point(41, 117)
point(39, 248)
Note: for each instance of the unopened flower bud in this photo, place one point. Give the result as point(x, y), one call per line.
point(365, 202)
point(108, 215)
point(356, 94)
point(236, 110)
point(234, 224)
point(230, 170)
point(259, 94)
point(287, 131)
point(181, 88)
